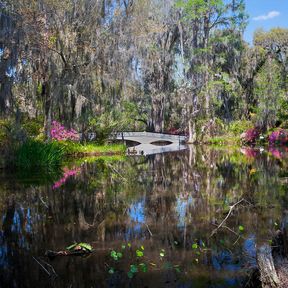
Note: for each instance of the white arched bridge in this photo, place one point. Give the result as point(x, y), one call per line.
point(151, 143)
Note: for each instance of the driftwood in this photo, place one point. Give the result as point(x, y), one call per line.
point(268, 275)
point(227, 216)
point(53, 254)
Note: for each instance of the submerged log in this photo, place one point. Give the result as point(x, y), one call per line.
point(53, 254)
point(268, 275)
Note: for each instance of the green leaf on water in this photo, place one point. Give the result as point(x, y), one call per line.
point(143, 267)
point(111, 270)
point(162, 253)
point(85, 246)
point(114, 255)
point(194, 246)
point(130, 274)
point(129, 244)
point(133, 268)
point(123, 247)
point(139, 253)
point(142, 247)
point(241, 228)
point(71, 247)
point(119, 255)
point(177, 269)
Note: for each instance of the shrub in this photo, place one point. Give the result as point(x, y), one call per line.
point(251, 135)
point(279, 136)
point(240, 126)
point(33, 126)
point(60, 133)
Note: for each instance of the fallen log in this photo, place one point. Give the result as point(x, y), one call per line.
point(53, 254)
point(268, 275)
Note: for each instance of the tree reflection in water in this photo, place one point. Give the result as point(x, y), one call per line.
point(169, 201)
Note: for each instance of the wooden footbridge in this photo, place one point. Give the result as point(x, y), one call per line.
point(152, 143)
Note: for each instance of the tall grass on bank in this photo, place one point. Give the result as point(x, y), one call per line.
point(33, 154)
point(92, 149)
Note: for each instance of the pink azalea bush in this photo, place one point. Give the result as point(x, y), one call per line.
point(60, 133)
point(251, 135)
point(280, 136)
point(67, 173)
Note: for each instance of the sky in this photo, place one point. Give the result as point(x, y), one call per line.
point(265, 14)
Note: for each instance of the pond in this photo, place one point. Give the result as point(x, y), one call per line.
point(151, 220)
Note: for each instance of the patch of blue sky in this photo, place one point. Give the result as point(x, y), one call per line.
point(137, 217)
point(265, 14)
point(137, 211)
point(28, 226)
point(182, 205)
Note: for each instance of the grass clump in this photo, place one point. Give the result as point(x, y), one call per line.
point(33, 154)
point(78, 149)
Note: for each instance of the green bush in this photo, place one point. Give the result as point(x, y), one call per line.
point(33, 154)
point(33, 126)
point(240, 126)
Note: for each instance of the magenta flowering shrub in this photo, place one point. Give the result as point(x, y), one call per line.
point(251, 135)
point(60, 133)
point(280, 136)
point(67, 173)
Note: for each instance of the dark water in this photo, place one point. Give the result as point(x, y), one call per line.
point(169, 204)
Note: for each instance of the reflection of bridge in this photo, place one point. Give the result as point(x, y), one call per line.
point(152, 143)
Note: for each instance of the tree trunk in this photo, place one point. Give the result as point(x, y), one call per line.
point(268, 275)
point(192, 132)
point(47, 109)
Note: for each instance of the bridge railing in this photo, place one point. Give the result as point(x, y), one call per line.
point(124, 135)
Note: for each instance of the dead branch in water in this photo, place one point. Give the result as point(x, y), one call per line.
point(227, 216)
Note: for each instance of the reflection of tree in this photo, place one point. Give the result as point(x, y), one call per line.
point(179, 195)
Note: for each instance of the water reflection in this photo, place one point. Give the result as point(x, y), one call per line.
point(171, 202)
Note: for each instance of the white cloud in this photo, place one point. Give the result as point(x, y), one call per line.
point(269, 15)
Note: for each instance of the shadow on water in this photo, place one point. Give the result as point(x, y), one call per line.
point(165, 206)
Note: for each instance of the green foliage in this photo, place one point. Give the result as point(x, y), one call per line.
point(33, 126)
point(139, 253)
point(33, 154)
point(116, 255)
point(162, 253)
point(143, 267)
point(194, 9)
point(75, 148)
point(269, 92)
point(116, 120)
point(239, 126)
point(194, 246)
